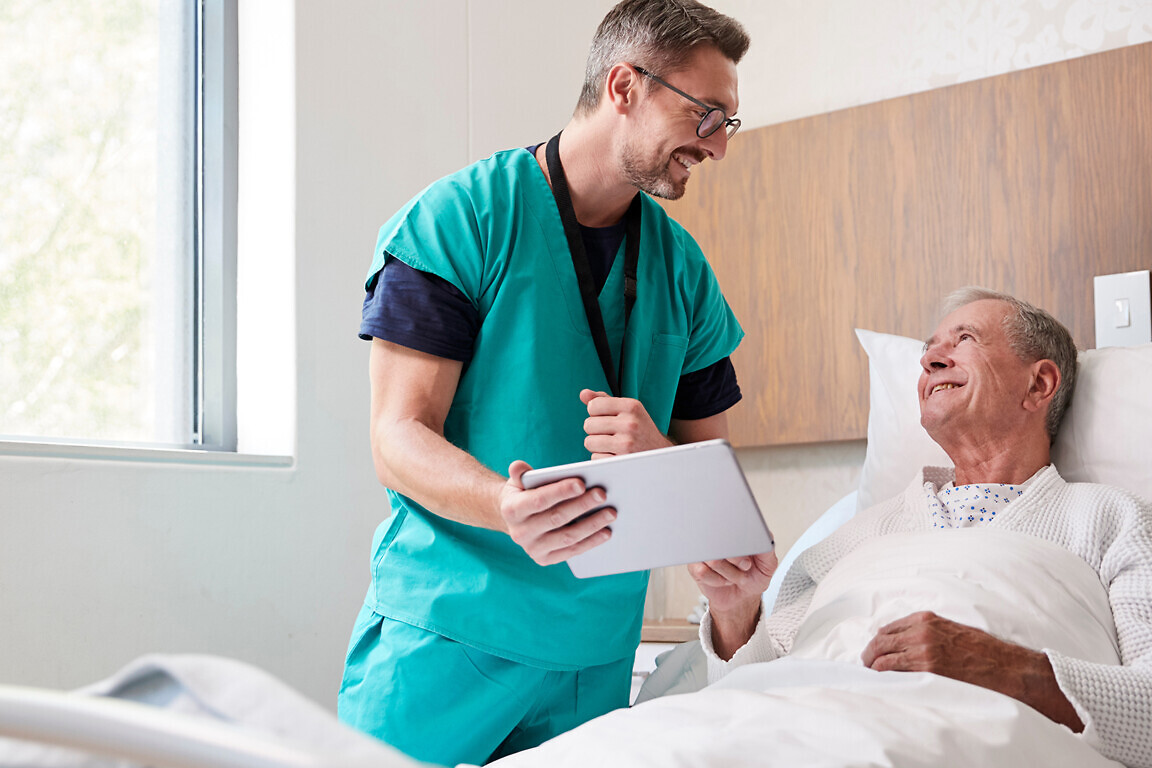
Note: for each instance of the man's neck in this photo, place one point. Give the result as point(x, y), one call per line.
point(600, 195)
point(988, 463)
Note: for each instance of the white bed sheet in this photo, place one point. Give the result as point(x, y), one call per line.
point(829, 710)
point(793, 712)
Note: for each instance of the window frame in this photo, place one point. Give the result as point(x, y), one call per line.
point(215, 284)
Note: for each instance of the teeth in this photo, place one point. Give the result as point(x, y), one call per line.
point(939, 387)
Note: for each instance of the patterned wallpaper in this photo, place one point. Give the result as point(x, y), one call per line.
point(966, 39)
point(815, 56)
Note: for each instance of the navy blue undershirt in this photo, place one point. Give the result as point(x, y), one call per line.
point(424, 312)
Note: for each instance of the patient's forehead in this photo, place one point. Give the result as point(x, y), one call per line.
point(983, 318)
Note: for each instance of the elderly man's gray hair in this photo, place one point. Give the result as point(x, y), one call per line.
point(659, 35)
point(1033, 335)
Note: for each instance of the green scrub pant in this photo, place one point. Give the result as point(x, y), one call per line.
point(444, 702)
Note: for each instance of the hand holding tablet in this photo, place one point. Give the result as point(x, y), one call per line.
point(683, 504)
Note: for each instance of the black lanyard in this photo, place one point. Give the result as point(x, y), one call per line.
point(584, 271)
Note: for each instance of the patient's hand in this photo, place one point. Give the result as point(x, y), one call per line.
point(618, 425)
point(925, 642)
point(734, 588)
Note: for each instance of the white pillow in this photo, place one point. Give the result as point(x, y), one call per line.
point(1102, 439)
point(898, 447)
point(1104, 435)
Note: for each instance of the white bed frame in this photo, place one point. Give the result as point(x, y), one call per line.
point(144, 734)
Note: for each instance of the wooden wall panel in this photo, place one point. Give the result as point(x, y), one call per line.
point(1031, 183)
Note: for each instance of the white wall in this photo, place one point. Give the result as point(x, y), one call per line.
point(104, 560)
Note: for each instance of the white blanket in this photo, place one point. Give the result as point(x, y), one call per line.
point(1020, 588)
point(822, 707)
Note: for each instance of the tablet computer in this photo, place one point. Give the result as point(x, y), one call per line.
point(683, 504)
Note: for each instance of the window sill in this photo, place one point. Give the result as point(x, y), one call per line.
point(145, 454)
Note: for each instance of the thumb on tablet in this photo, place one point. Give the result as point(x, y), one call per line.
point(516, 471)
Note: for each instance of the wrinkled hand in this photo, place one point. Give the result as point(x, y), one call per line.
point(734, 582)
point(925, 642)
point(618, 425)
point(548, 521)
point(734, 588)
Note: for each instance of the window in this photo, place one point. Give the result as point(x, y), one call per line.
point(117, 222)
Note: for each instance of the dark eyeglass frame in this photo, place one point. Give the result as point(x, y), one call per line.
point(732, 123)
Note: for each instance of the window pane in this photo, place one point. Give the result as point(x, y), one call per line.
point(91, 284)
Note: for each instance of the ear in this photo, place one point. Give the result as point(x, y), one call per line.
point(622, 87)
point(1045, 382)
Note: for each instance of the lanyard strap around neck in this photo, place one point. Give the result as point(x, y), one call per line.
point(584, 271)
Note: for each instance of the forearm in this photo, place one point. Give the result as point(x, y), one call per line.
point(926, 642)
point(1033, 682)
point(759, 647)
point(415, 460)
point(733, 628)
point(412, 394)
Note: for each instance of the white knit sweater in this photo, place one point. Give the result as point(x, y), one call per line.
point(1110, 529)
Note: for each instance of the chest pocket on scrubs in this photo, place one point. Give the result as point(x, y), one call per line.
point(662, 376)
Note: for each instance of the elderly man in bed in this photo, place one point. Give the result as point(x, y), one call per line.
point(997, 376)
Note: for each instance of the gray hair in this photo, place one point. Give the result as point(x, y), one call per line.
point(1033, 335)
point(660, 36)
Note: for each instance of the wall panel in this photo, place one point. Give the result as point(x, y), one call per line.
point(1030, 182)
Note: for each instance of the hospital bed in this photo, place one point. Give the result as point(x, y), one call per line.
point(209, 712)
point(807, 710)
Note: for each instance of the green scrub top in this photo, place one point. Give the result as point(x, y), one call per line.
point(493, 230)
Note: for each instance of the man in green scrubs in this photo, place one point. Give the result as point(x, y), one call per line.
point(532, 309)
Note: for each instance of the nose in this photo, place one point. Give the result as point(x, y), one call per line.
point(935, 358)
point(716, 145)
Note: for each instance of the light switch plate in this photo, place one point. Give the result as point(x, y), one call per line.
point(1128, 290)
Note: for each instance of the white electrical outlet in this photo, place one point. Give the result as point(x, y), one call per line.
point(1123, 309)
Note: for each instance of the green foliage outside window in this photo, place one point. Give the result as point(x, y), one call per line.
point(78, 191)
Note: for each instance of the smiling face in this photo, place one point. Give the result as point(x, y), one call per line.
point(972, 384)
point(661, 147)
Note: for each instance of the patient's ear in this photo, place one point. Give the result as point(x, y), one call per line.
point(1045, 382)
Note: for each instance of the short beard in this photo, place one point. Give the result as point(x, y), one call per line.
point(654, 179)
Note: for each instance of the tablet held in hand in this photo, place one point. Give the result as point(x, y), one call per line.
point(683, 504)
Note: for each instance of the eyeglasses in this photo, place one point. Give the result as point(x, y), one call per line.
point(714, 117)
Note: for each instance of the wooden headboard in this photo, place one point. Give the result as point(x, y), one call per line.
point(1030, 183)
